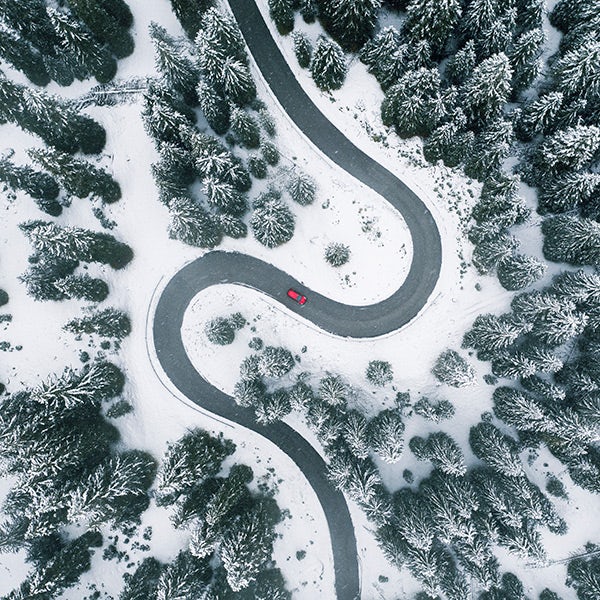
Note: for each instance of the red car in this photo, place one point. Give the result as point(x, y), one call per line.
point(294, 295)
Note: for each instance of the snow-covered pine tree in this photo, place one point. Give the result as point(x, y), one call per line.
point(538, 116)
point(434, 410)
point(109, 22)
point(452, 369)
point(521, 410)
point(499, 451)
point(82, 287)
point(193, 457)
point(569, 149)
point(572, 240)
point(301, 187)
point(192, 225)
point(186, 577)
point(40, 186)
point(518, 271)
point(577, 73)
point(275, 362)
point(77, 42)
point(490, 149)
point(490, 334)
point(461, 65)
point(302, 49)
point(220, 331)
point(487, 89)
point(282, 13)
point(442, 451)
point(386, 435)
point(224, 196)
point(108, 323)
point(75, 243)
point(78, 177)
point(355, 433)
point(245, 127)
point(112, 489)
point(214, 107)
point(23, 57)
point(379, 372)
point(491, 247)
point(174, 64)
point(142, 583)
point(272, 407)
point(337, 254)
point(432, 20)
point(450, 142)
point(479, 16)
point(568, 191)
point(189, 13)
point(581, 287)
point(525, 58)
point(412, 104)
point(333, 390)
point(350, 22)
point(328, 66)
point(246, 547)
point(272, 223)
point(309, 10)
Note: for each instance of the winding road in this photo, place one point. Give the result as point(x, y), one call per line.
point(366, 321)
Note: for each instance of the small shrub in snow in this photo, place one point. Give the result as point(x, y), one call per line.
point(270, 153)
point(3, 297)
point(256, 344)
point(337, 254)
point(452, 369)
point(257, 167)
point(379, 372)
point(555, 487)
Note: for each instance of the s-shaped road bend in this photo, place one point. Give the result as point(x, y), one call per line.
point(217, 267)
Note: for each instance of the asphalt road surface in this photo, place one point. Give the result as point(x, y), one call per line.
point(366, 321)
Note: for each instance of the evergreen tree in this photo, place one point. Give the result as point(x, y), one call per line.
point(224, 196)
point(40, 186)
point(525, 58)
point(189, 13)
point(23, 57)
point(350, 22)
point(270, 153)
point(82, 287)
point(442, 451)
point(107, 323)
point(192, 225)
point(572, 148)
point(214, 107)
point(237, 82)
point(88, 54)
point(488, 88)
point(328, 65)
point(73, 243)
point(572, 240)
point(193, 457)
point(302, 49)
point(566, 192)
point(272, 223)
point(355, 433)
point(301, 187)
point(461, 65)
point(309, 10)
point(518, 271)
point(379, 372)
point(333, 390)
point(499, 451)
point(450, 142)
point(275, 362)
point(173, 64)
point(433, 410)
point(490, 149)
point(577, 73)
point(186, 577)
point(78, 177)
point(538, 116)
point(386, 435)
point(490, 333)
point(337, 254)
point(521, 410)
point(142, 583)
point(282, 13)
point(108, 21)
point(245, 127)
point(492, 244)
point(452, 369)
point(412, 105)
point(433, 21)
point(220, 331)
point(479, 16)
